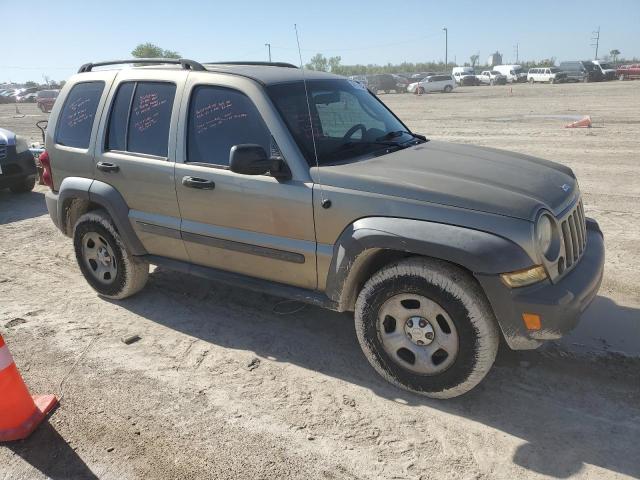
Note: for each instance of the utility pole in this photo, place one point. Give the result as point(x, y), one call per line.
point(516, 48)
point(446, 47)
point(596, 38)
point(268, 45)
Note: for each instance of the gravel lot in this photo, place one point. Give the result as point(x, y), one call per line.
point(222, 385)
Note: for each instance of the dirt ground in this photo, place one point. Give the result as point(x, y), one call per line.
point(224, 384)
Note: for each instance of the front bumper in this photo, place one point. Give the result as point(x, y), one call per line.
point(559, 305)
point(16, 167)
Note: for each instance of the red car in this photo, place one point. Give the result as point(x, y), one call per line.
point(628, 72)
point(46, 99)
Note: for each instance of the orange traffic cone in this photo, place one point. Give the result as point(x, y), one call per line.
point(20, 413)
point(583, 123)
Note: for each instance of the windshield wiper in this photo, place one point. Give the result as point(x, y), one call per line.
point(399, 133)
point(349, 145)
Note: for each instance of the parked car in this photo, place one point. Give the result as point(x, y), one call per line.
point(17, 165)
point(514, 73)
point(9, 96)
point(433, 83)
point(440, 250)
point(27, 95)
point(546, 75)
point(361, 79)
point(465, 76)
point(421, 75)
point(401, 82)
point(46, 99)
point(581, 71)
point(492, 77)
point(383, 81)
point(628, 72)
point(607, 70)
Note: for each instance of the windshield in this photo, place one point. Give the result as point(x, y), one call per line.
point(517, 71)
point(494, 72)
point(348, 121)
point(606, 66)
point(554, 70)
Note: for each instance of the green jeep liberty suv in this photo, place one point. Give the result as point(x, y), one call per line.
point(305, 185)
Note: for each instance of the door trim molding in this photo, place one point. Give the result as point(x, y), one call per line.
point(241, 247)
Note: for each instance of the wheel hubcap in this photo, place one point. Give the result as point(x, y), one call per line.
point(418, 334)
point(99, 258)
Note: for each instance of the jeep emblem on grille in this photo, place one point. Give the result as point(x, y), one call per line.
point(566, 187)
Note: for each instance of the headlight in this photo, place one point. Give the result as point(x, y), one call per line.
point(547, 236)
point(544, 234)
point(21, 145)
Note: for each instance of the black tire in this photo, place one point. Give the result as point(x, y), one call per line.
point(532, 81)
point(420, 90)
point(448, 88)
point(26, 185)
point(455, 292)
point(131, 273)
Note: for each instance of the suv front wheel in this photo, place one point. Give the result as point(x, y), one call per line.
point(426, 326)
point(103, 258)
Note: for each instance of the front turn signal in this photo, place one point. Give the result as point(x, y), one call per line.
point(522, 278)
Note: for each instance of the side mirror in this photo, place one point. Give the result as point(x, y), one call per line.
point(251, 159)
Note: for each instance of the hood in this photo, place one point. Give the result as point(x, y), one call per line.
point(7, 137)
point(476, 178)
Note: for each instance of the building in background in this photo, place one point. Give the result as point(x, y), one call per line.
point(494, 59)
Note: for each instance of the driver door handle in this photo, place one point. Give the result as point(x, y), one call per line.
point(201, 183)
point(107, 167)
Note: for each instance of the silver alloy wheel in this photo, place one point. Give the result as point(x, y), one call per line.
point(417, 334)
point(99, 257)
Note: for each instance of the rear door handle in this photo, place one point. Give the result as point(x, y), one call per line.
point(107, 167)
point(201, 183)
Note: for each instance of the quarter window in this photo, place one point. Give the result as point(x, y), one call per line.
point(78, 114)
point(140, 118)
point(220, 118)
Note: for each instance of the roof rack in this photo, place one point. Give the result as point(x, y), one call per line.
point(252, 63)
point(186, 64)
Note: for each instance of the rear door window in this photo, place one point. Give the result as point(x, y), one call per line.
point(78, 113)
point(140, 118)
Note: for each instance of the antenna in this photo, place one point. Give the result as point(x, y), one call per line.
point(325, 202)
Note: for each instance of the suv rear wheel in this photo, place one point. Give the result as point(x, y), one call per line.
point(426, 326)
point(104, 260)
point(448, 88)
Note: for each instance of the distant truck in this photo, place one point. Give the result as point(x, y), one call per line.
point(607, 70)
point(465, 76)
point(492, 77)
point(514, 73)
point(628, 72)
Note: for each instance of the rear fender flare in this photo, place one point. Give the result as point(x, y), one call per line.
point(107, 197)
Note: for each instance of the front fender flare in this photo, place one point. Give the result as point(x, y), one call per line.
point(475, 250)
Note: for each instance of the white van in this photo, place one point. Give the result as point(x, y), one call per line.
point(514, 73)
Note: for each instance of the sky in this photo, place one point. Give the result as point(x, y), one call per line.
point(54, 38)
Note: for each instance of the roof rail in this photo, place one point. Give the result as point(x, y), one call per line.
point(186, 64)
point(252, 63)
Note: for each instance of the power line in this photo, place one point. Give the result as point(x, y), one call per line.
point(596, 38)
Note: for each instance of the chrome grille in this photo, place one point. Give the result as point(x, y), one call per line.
point(574, 235)
point(3, 151)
